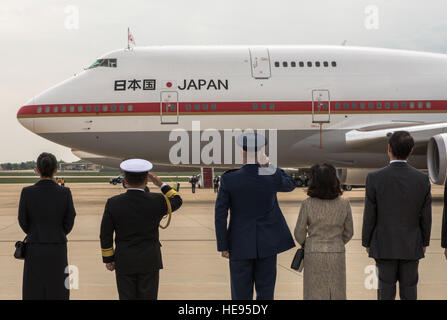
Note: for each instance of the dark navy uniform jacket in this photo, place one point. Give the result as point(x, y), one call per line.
point(134, 218)
point(257, 227)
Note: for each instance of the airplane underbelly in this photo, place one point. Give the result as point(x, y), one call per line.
point(294, 148)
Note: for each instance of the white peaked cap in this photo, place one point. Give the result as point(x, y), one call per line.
point(136, 165)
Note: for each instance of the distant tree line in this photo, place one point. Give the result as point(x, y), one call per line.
point(27, 165)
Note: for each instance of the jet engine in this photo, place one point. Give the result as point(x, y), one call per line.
point(437, 158)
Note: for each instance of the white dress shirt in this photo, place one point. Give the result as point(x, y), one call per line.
point(392, 161)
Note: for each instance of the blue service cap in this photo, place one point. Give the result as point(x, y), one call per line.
point(136, 165)
point(251, 141)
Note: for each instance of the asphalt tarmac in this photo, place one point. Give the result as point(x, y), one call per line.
point(193, 269)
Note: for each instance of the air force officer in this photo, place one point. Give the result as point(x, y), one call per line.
point(257, 230)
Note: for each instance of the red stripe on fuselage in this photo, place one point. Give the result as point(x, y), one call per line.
point(233, 107)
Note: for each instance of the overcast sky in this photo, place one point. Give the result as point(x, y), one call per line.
point(41, 43)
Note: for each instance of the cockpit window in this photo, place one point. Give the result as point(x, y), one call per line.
point(111, 63)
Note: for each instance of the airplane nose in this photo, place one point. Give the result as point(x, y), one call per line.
point(24, 116)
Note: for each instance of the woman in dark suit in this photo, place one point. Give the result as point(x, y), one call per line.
point(46, 215)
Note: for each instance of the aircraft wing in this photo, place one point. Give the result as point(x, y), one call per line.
point(378, 134)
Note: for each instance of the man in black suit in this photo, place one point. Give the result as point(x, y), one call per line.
point(397, 220)
point(134, 217)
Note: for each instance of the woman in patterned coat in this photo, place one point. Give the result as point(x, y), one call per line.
point(324, 226)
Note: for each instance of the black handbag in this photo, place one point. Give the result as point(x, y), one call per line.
point(297, 261)
point(20, 249)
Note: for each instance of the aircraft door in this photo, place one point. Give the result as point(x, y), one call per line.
point(169, 109)
point(260, 63)
point(321, 106)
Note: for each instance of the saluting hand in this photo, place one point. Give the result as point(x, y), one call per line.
point(226, 254)
point(156, 180)
point(110, 266)
point(264, 161)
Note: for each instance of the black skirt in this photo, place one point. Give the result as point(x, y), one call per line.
point(44, 272)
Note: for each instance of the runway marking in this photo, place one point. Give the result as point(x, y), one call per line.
point(206, 227)
point(4, 228)
point(300, 274)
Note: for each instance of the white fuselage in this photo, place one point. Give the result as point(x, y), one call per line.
point(312, 95)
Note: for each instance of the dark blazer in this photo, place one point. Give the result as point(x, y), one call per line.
point(397, 216)
point(444, 220)
point(134, 217)
point(257, 227)
point(46, 212)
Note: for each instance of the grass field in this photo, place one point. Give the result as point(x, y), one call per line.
point(30, 177)
point(77, 180)
point(81, 179)
point(61, 173)
point(88, 173)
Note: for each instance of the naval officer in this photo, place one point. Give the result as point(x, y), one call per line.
point(135, 217)
point(257, 230)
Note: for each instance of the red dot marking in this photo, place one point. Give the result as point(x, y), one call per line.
point(168, 84)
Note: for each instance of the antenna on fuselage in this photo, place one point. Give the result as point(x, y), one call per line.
point(130, 39)
point(344, 42)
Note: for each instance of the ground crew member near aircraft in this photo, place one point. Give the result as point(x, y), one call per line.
point(62, 182)
point(257, 231)
point(193, 180)
point(216, 181)
point(134, 217)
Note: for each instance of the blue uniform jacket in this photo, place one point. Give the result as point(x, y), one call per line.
point(257, 227)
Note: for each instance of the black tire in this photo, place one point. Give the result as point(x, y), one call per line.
point(114, 183)
point(347, 188)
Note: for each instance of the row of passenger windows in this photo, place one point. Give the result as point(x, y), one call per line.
point(206, 107)
point(263, 106)
point(255, 106)
point(96, 108)
point(355, 105)
point(301, 64)
point(198, 107)
point(377, 105)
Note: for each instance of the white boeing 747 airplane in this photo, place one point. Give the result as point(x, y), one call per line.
point(335, 104)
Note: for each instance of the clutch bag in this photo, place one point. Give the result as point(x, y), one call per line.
point(20, 246)
point(298, 259)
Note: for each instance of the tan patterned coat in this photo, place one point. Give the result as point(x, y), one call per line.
point(325, 226)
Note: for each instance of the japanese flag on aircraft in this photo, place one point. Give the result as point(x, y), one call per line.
point(169, 84)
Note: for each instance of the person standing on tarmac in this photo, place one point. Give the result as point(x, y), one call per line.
point(193, 180)
point(134, 217)
point(216, 181)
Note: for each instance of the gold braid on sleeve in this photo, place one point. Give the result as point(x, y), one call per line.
point(169, 215)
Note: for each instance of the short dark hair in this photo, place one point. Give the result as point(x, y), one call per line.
point(324, 183)
point(401, 143)
point(135, 178)
point(46, 164)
